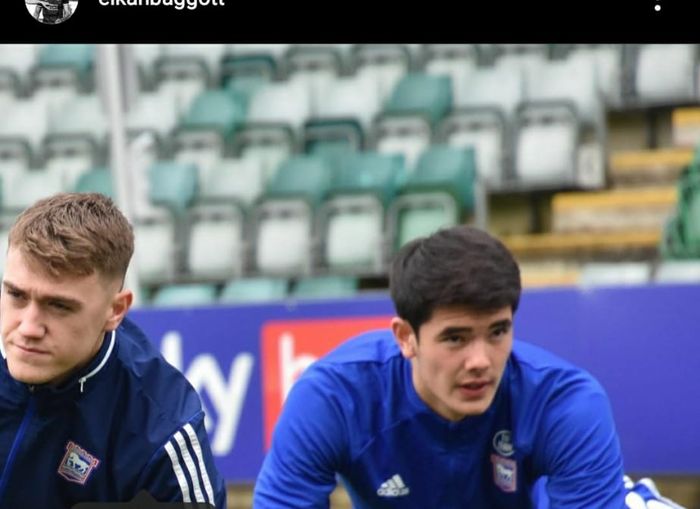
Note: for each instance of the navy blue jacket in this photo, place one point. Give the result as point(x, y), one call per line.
point(129, 421)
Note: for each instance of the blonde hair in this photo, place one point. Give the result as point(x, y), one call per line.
point(75, 234)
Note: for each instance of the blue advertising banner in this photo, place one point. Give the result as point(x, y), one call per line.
point(641, 343)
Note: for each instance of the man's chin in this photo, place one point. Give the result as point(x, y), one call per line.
point(27, 376)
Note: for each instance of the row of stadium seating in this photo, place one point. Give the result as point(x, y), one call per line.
point(257, 290)
point(630, 72)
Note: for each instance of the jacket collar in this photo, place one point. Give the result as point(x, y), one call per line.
point(96, 365)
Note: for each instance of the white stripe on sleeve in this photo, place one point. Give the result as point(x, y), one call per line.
point(189, 463)
point(179, 474)
point(200, 460)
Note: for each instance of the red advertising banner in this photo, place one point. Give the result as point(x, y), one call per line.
point(289, 347)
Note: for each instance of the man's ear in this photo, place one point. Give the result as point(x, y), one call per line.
point(121, 302)
point(405, 337)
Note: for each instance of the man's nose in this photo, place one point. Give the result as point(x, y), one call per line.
point(477, 355)
point(31, 322)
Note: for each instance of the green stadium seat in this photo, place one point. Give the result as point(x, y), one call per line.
point(325, 287)
point(202, 135)
point(71, 64)
point(355, 208)
point(415, 107)
point(185, 295)
point(425, 94)
point(284, 216)
point(304, 176)
point(254, 290)
point(96, 180)
point(172, 184)
point(440, 192)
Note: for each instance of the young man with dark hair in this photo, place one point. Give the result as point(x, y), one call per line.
point(446, 410)
point(89, 410)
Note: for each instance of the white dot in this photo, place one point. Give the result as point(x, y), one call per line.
point(657, 7)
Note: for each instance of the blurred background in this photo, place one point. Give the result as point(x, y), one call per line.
point(257, 174)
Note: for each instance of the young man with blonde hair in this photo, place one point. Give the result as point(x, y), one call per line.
point(89, 410)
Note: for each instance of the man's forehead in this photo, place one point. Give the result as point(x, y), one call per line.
point(29, 275)
point(464, 314)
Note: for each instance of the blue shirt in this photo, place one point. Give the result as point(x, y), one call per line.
point(129, 421)
point(355, 414)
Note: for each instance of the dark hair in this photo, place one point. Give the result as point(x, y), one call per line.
point(462, 266)
point(75, 234)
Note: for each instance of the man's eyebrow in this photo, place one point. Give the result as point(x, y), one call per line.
point(69, 301)
point(501, 323)
point(447, 331)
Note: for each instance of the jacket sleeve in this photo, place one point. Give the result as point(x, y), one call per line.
point(307, 448)
point(183, 469)
point(578, 450)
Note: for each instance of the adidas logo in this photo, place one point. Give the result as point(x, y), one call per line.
point(393, 487)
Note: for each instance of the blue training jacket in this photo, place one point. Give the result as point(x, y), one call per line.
point(355, 414)
point(128, 422)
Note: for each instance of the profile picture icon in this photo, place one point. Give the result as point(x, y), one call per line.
point(51, 12)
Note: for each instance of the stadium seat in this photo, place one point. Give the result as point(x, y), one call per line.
point(191, 59)
point(485, 130)
point(355, 209)
point(439, 193)
point(406, 123)
point(23, 125)
point(144, 57)
point(345, 111)
point(497, 87)
point(233, 180)
point(546, 145)
point(383, 64)
point(96, 180)
point(607, 60)
point(185, 295)
point(156, 250)
point(276, 115)
point(202, 135)
point(284, 216)
point(665, 74)
point(281, 103)
point(76, 139)
point(325, 287)
point(187, 70)
point(172, 185)
point(16, 61)
point(458, 61)
point(63, 70)
point(26, 187)
point(254, 290)
point(215, 247)
point(154, 112)
point(314, 67)
point(253, 60)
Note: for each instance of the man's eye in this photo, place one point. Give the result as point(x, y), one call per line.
point(60, 306)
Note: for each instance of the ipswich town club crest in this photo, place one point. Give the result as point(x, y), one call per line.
point(77, 464)
point(505, 471)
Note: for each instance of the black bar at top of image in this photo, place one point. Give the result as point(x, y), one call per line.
point(548, 21)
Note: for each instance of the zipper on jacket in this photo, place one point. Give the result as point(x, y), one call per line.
point(28, 414)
